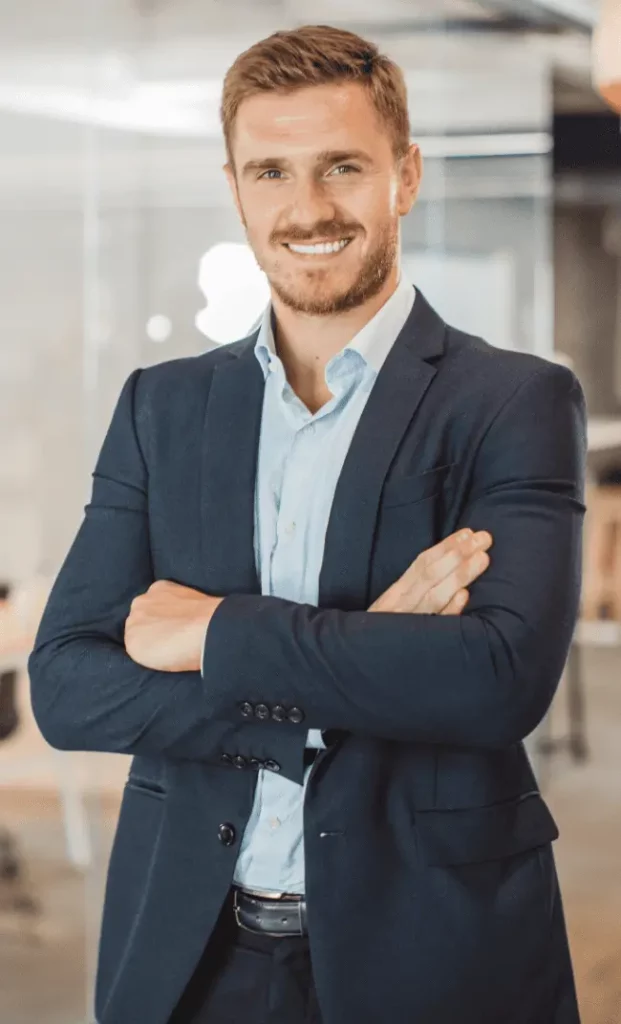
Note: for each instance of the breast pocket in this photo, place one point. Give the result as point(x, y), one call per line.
point(474, 835)
point(407, 490)
point(412, 518)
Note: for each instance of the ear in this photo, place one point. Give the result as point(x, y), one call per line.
point(410, 177)
point(232, 180)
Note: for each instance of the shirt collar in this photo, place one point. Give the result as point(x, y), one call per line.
point(376, 338)
point(373, 342)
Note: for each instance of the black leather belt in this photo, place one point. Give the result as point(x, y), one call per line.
point(279, 917)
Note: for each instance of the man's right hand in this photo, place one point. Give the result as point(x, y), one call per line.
point(436, 583)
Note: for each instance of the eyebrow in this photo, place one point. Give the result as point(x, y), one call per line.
point(323, 159)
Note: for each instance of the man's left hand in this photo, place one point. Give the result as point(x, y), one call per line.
point(166, 626)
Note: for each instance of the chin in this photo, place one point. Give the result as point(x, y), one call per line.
point(316, 298)
point(318, 302)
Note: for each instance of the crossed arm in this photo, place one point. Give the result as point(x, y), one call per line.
point(482, 678)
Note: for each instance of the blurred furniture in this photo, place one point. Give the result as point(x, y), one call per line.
point(11, 862)
point(607, 53)
point(601, 595)
point(15, 645)
point(603, 433)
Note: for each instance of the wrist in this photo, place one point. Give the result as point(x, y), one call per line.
point(202, 623)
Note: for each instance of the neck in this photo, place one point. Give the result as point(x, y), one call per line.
point(307, 343)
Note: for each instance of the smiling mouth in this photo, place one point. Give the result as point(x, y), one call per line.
point(318, 248)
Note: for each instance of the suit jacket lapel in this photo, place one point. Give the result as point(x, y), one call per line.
point(398, 390)
point(229, 462)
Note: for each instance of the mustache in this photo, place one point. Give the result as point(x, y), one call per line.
point(327, 230)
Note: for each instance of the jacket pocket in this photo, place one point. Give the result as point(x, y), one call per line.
point(478, 834)
point(148, 787)
point(405, 490)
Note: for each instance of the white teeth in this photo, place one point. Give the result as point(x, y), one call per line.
point(323, 249)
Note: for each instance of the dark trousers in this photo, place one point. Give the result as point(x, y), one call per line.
point(245, 978)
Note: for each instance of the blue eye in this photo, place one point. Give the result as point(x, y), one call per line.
point(346, 168)
point(267, 174)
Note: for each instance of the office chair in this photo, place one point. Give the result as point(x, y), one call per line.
point(12, 868)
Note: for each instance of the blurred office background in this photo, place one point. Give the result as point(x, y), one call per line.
point(119, 247)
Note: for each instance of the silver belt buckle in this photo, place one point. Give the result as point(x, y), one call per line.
point(236, 911)
point(240, 923)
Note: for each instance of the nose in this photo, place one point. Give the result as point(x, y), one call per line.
point(310, 204)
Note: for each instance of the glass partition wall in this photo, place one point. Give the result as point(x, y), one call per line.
point(122, 248)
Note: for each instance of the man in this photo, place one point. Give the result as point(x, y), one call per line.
point(330, 815)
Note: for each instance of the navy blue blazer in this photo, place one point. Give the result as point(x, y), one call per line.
point(431, 886)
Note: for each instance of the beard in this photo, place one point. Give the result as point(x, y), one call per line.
point(314, 293)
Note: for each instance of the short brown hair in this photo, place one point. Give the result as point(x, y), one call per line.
point(317, 55)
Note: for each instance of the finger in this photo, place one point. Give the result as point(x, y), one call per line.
point(439, 596)
point(455, 567)
point(435, 563)
point(465, 540)
point(457, 604)
point(429, 569)
point(454, 542)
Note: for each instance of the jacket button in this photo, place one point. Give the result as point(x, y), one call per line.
point(226, 759)
point(226, 834)
point(296, 716)
point(279, 714)
point(272, 766)
point(246, 709)
point(262, 711)
point(239, 761)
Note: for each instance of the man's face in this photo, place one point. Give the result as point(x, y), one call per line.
point(320, 193)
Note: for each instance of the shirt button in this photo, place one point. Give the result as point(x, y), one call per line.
point(274, 822)
point(290, 529)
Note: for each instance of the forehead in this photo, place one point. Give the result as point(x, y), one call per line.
point(339, 116)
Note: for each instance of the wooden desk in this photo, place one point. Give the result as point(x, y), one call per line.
point(15, 642)
point(603, 433)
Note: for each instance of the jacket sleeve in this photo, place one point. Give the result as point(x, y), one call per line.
point(87, 693)
point(482, 679)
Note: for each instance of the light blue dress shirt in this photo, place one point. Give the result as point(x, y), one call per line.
point(299, 462)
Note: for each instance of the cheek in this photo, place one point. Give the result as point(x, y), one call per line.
point(373, 205)
point(257, 212)
point(394, 198)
